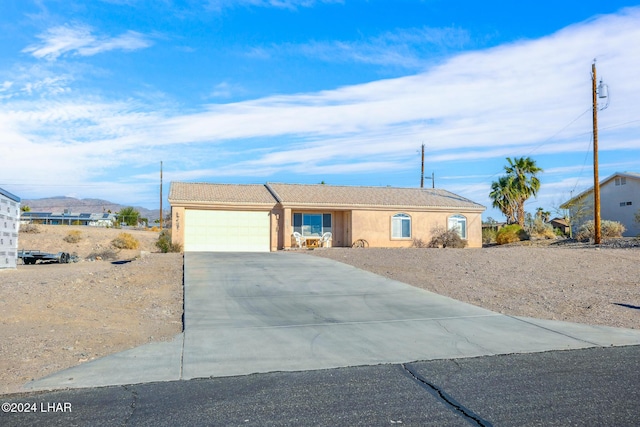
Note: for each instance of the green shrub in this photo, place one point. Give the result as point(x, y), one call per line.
point(608, 230)
point(443, 238)
point(74, 236)
point(510, 234)
point(125, 241)
point(164, 243)
point(488, 235)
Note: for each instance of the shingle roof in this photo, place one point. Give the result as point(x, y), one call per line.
point(242, 194)
point(317, 195)
point(320, 194)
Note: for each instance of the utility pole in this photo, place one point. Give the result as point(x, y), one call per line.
point(160, 195)
point(597, 92)
point(422, 173)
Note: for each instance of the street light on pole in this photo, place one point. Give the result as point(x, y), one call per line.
point(602, 92)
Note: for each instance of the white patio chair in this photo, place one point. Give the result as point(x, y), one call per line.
point(299, 240)
point(324, 239)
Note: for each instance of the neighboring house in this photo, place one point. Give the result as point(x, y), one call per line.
point(619, 201)
point(9, 228)
point(230, 217)
point(68, 218)
point(560, 224)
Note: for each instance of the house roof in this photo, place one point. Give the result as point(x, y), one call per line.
point(632, 175)
point(320, 194)
point(242, 194)
point(9, 195)
point(305, 195)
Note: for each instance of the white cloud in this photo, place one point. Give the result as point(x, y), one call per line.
point(80, 40)
point(506, 101)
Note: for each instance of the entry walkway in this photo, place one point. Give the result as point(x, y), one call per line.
point(264, 312)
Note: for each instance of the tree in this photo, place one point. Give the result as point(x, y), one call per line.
point(25, 208)
point(511, 191)
point(503, 199)
point(128, 216)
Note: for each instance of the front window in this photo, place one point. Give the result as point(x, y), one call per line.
point(401, 226)
point(312, 225)
point(459, 224)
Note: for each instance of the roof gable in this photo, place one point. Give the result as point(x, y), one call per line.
point(631, 175)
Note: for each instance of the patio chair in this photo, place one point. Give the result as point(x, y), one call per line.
point(300, 242)
point(324, 239)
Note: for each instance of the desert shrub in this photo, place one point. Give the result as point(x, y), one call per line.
point(510, 234)
point(125, 241)
point(608, 230)
point(29, 229)
point(74, 236)
point(443, 238)
point(418, 243)
point(541, 230)
point(164, 243)
point(106, 254)
point(488, 235)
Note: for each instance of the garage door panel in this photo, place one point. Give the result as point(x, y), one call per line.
point(227, 231)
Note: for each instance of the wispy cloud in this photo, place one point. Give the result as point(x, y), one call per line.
point(478, 106)
point(282, 4)
point(81, 40)
point(407, 48)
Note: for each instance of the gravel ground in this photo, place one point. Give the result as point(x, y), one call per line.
point(572, 282)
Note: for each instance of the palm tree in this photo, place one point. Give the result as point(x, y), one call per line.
point(503, 197)
point(524, 181)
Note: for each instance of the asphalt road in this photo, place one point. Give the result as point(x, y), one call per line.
point(595, 386)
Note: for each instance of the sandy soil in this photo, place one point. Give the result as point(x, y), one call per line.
point(55, 316)
point(60, 315)
point(569, 282)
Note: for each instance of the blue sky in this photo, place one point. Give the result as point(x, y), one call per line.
point(95, 94)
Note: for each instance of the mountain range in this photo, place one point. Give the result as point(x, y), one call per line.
point(61, 203)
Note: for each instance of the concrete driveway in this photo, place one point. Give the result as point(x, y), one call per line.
point(264, 312)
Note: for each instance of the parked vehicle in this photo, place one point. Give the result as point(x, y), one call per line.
point(31, 257)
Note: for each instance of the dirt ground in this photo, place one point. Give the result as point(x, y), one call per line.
point(569, 282)
point(55, 316)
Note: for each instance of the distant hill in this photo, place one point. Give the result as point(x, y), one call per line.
point(60, 203)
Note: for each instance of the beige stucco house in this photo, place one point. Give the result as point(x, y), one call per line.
point(232, 217)
point(619, 201)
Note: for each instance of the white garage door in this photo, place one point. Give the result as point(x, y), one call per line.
point(226, 231)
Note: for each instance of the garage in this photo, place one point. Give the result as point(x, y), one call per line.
point(226, 231)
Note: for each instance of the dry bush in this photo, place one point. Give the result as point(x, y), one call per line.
point(74, 236)
point(443, 238)
point(510, 234)
point(165, 244)
point(106, 254)
point(30, 229)
point(540, 230)
point(608, 230)
point(419, 243)
point(125, 241)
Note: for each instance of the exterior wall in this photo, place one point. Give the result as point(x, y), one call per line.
point(348, 226)
point(9, 228)
point(611, 196)
point(375, 227)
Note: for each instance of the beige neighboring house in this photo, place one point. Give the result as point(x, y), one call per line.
point(9, 228)
point(234, 217)
point(619, 201)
